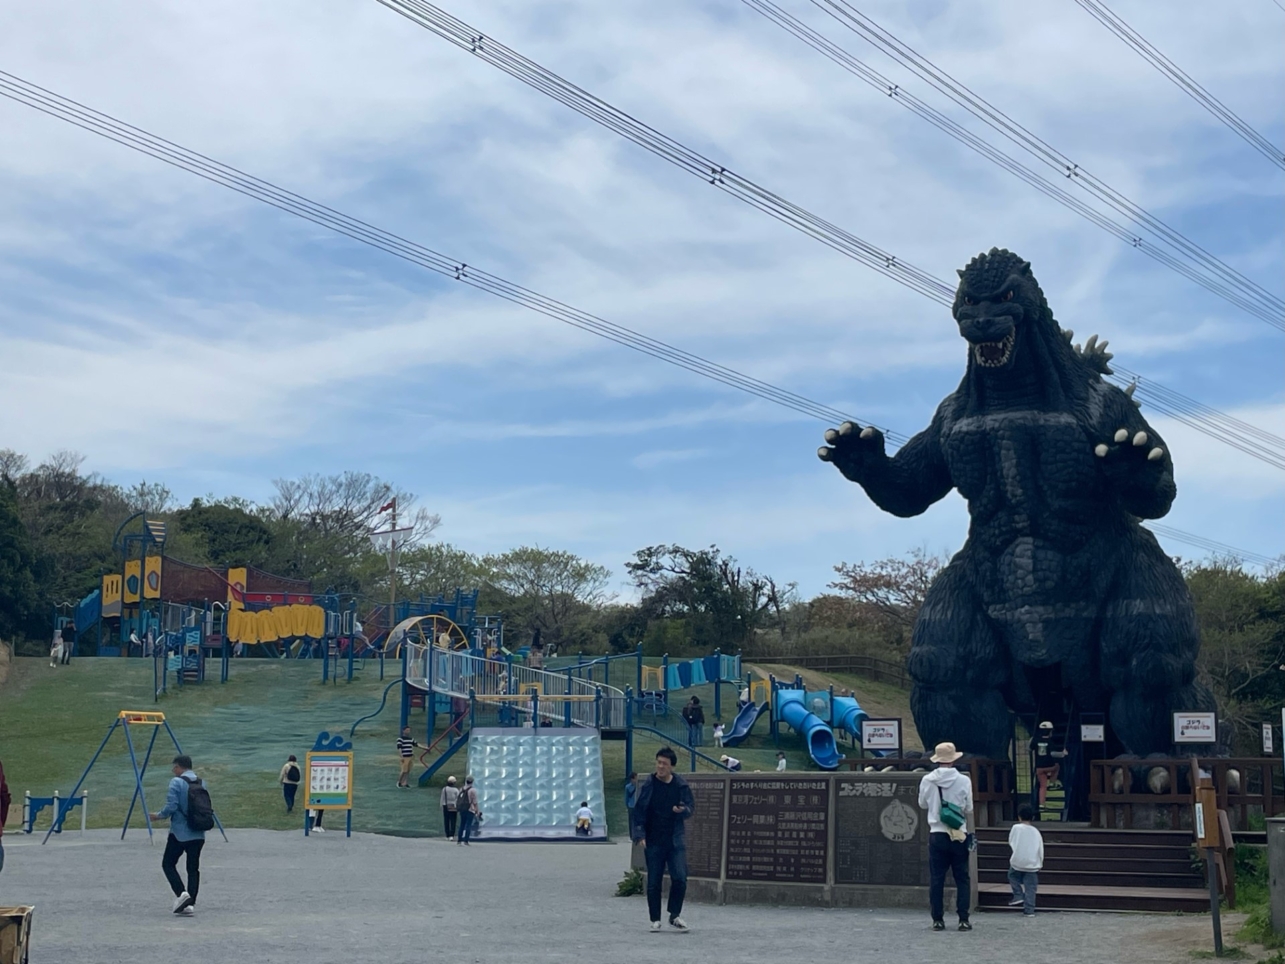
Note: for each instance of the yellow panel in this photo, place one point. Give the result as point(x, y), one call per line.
point(266, 624)
point(281, 618)
point(236, 585)
point(111, 594)
point(316, 621)
point(299, 619)
point(133, 580)
point(142, 717)
point(152, 577)
point(651, 678)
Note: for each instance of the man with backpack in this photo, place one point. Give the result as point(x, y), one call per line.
point(947, 795)
point(466, 807)
point(290, 779)
point(190, 813)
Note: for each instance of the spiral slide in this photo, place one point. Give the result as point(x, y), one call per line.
point(816, 734)
point(847, 715)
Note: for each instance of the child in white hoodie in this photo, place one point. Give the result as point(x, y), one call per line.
point(1026, 862)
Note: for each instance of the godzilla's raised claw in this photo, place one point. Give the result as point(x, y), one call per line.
point(1140, 439)
point(1121, 435)
point(868, 432)
point(831, 435)
point(824, 453)
point(1155, 454)
point(1100, 450)
point(847, 428)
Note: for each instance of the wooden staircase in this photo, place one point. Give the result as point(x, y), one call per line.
point(1101, 870)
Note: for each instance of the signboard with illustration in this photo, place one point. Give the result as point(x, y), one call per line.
point(1195, 727)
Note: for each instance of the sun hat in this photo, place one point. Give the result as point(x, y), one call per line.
point(723, 758)
point(945, 753)
point(450, 779)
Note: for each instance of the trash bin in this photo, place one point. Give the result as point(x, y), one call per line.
point(15, 934)
point(1276, 870)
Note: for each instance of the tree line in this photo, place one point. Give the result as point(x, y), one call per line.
point(57, 523)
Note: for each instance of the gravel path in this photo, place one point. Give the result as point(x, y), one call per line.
point(274, 897)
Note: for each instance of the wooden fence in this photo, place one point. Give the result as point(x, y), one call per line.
point(1246, 786)
point(879, 670)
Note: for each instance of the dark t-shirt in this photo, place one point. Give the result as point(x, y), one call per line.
point(659, 822)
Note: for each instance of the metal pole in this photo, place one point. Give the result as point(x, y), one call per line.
point(138, 784)
point(718, 687)
point(1214, 912)
point(148, 756)
point(84, 809)
point(629, 730)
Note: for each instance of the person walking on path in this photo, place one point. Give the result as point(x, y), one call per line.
point(466, 807)
point(450, 794)
point(405, 748)
point(1026, 861)
point(184, 839)
point(695, 717)
point(289, 779)
point(4, 811)
point(947, 795)
point(659, 823)
point(68, 641)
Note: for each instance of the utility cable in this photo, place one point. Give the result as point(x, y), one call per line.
point(1104, 15)
point(1231, 287)
point(205, 167)
point(495, 53)
point(1267, 306)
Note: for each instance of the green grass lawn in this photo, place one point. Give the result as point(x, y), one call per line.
point(239, 734)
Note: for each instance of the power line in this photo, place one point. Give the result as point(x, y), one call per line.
point(1220, 279)
point(1237, 289)
point(1103, 15)
point(135, 138)
point(1210, 545)
point(545, 81)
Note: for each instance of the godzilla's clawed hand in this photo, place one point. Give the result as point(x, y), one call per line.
point(852, 449)
point(1124, 454)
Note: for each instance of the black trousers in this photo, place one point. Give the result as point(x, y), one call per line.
point(289, 790)
point(946, 854)
point(448, 821)
point(662, 857)
point(175, 848)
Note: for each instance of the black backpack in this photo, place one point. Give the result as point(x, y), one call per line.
point(292, 774)
point(461, 802)
point(200, 811)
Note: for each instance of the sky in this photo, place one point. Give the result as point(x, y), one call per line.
point(171, 330)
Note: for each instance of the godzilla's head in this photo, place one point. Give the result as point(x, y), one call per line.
point(997, 305)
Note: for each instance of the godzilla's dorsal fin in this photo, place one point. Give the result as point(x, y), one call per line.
point(1093, 353)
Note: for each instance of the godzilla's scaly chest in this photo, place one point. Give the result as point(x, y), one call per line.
point(1019, 459)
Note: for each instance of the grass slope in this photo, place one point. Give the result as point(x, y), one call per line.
point(239, 734)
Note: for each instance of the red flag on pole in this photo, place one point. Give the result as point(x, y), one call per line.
point(390, 505)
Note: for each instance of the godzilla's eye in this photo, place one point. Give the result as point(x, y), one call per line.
point(1007, 295)
point(969, 300)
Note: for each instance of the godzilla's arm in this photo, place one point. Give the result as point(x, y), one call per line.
point(1135, 462)
point(906, 484)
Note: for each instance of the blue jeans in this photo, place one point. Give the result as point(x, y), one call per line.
point(695, 733)
point(659, 858)
point(1024, 883)
point(946, 854)
point(466, 825)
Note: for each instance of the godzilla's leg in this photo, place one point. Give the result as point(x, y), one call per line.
point(1148, 645)
point(959, 669)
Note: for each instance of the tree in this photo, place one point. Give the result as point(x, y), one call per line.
point(715, 602)
point(438, 569)
point(1242, 647)
point(229, 535)
point(547, 589)
point(19, 599)
point(887, 595)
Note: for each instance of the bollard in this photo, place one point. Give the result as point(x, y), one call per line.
point(1276, 870)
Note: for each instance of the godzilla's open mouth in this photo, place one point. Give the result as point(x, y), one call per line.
point(993, 354)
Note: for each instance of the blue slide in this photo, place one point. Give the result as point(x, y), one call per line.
point(744, 722)
point(816, 734)
point(847, 715)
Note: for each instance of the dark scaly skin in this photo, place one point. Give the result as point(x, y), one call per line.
point(1058, 591)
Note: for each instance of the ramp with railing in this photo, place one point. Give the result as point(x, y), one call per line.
point(518, 693)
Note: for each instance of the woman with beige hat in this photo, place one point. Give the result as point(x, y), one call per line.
point(947, 795)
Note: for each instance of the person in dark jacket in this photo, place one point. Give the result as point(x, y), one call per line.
point(694, 714)
point(4, 812)
point(658, 822)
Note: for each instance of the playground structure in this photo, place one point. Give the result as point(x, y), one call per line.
point(815, 717)
point(32, 806)
point(123, 721)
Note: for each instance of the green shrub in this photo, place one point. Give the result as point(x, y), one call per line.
point(631, 884)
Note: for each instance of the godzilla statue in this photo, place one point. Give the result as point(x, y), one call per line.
point(1059, 600)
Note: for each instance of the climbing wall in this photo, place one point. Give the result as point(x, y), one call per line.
point(531, 784)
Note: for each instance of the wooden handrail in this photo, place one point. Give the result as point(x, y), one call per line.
point(1261, 788)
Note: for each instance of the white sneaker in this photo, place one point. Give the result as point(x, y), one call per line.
point(678, 924)
point(181, 901)
point(187, 911)
point(318, 829)
point(655, 927)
